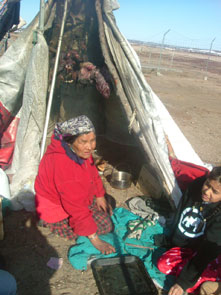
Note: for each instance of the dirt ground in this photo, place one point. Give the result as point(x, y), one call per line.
point(28, 247)
point(193, 101)
point(195, 105)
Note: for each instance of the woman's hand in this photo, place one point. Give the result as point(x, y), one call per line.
point(103, 205)
point(102, 246)
point(176, 290)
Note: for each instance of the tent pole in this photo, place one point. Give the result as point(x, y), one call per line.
point(41, 15)
point(53, 80)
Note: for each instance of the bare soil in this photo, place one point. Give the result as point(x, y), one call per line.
point(193, 101)
point(195, 105)
point(28, 247)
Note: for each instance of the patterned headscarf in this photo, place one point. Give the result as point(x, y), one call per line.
point(74, 126)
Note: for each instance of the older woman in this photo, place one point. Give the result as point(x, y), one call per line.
point(70, 198)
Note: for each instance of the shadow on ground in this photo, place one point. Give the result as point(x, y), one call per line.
point(26, 252)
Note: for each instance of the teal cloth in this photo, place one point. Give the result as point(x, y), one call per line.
point(6, 203)
point(83, 251)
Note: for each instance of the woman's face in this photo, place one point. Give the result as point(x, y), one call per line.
point(211, 191)
point(84, 145)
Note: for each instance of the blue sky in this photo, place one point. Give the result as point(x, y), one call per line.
point(192, 23)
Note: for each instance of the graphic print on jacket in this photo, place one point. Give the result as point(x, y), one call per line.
point(192, 223)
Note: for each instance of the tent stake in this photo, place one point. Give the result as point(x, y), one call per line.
point(53, 80)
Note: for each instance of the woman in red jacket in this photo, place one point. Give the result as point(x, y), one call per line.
point(70, 198)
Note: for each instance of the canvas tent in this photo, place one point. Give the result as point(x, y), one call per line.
point(99, 75)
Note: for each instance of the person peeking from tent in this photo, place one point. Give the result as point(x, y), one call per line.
point(185, 172)
point(194, 243)
point(70, 197)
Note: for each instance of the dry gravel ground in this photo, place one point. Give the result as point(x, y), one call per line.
point(195, 105)
point(193, 102)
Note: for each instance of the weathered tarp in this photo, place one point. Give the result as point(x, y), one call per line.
point(152, 120)
point(23, 91)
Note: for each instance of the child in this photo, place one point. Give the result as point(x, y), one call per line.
point(196, 236)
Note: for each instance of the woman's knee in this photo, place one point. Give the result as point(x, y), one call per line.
point(105, 226)
point(7, 283)
point(210, 288)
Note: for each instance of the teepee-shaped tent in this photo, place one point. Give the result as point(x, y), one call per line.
point(76, 61)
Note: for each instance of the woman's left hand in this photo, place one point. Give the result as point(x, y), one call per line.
point(103, 205)
point(176, 290)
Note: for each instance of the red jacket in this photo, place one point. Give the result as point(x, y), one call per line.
point(65, 188)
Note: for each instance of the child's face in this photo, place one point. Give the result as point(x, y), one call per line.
point(211, 191)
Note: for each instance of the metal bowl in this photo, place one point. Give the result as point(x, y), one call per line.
point(120, 180)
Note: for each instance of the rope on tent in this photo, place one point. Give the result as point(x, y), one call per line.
point(4, 42)
point(53, 80)
point(132, 120)
point(41, 23)
point(35, 37)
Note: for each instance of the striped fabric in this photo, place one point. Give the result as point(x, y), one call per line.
point(102, 219)
point(62, 228)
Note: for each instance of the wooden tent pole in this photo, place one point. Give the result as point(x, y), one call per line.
point(53, 80)
point(41, 15)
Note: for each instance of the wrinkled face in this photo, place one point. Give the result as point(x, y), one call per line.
point(211, 191)
point(84, 145)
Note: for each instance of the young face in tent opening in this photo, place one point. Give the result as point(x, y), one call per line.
point(84, 145)
point(211, 191)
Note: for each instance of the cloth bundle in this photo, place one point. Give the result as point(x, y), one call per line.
point(89, 73)
point(140, 227)
point(138, 206)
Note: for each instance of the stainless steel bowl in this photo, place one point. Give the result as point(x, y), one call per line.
point(120, 180)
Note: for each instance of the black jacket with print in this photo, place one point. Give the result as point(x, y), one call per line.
point(190, 233)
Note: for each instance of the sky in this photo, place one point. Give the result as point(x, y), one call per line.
point(191, 23)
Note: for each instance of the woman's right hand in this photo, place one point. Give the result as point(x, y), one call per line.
point(102, 246)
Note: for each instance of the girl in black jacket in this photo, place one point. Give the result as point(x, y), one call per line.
point(195, 238)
